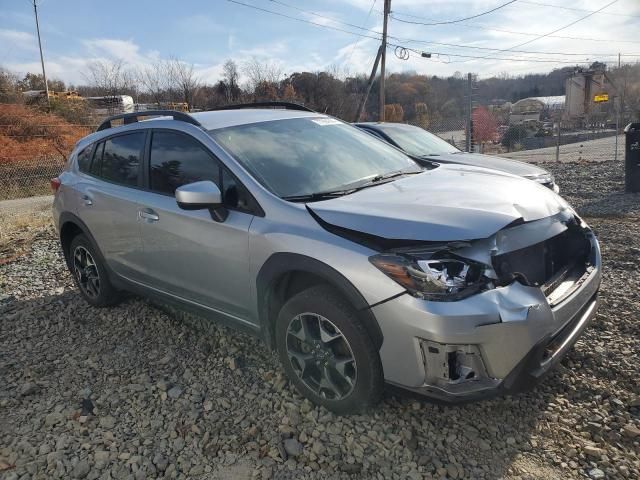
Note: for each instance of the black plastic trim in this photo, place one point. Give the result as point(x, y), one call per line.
point(527, 374)
point(282, 263)
point(67, 217)
point(285, 105)
point(133, 117)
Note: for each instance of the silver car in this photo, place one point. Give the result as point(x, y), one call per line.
point(358, 265)
point(427, 147)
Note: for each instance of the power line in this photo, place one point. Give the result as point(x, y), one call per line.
point(575, 9)
point(449, 22)
point(559, 29)
point(294, 7)
point(309, 12)
point(255, 7)
point(355, 45)
point(513, 32)
point(488, 57)
point(474, 47)
point(508, 59)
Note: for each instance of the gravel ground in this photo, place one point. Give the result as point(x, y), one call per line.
point(136, 392)
point(600, 149)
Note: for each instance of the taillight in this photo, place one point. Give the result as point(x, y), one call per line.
point(55, 184)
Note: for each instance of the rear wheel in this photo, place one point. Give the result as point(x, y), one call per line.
point(327, 353)
point(90, 274)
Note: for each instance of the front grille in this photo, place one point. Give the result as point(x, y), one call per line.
point(546, 264)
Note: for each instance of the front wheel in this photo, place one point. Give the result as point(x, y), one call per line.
point(327, 353)
point(90, 274)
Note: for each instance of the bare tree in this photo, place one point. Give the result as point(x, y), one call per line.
point(155, 80)
point(261, 73)
point(110, 77)
point(183, 79)
point(230, 78)
point(8, 87)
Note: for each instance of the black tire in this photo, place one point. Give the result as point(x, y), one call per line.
point(105, 294)
point(362, 389)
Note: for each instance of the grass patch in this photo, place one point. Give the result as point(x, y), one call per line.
point(18, 232)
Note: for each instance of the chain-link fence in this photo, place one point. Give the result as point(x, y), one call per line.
point(28, 161)
point(33, 145)
point(546, 136)
point(28, 175)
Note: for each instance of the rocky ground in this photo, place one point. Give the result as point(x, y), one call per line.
point(135, 392)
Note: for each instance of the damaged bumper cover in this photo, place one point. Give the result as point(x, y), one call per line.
point(506, 338)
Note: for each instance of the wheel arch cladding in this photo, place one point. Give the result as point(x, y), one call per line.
point(286, 274)
point(70, 227)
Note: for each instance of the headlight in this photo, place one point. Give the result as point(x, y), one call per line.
point(443, 279)
point(543, 178)
point(546, 179)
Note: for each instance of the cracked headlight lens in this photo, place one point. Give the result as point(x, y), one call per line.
point(542, 178)
point(442, 279)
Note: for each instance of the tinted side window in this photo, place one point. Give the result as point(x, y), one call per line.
point(176, 160)
point(234, 194)
point(96, 165)
point(84, 159)
point(121, 158)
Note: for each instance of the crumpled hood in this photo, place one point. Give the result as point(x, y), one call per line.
point(487, 161)
point(449, 203)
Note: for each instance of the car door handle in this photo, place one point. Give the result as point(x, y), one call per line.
point(87, 200)
point(148, 215)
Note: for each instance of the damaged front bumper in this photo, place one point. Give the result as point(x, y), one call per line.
point(499, 341)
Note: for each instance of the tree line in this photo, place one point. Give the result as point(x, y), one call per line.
point(428, 101)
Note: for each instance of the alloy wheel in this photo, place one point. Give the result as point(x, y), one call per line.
point(86, 272)
point(321, 356)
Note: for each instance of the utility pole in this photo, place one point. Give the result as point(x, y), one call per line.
point(616, 106)
point(363, 102)
point(387, 9)
point(469, 109)
point(558, 120)
point(44, 75)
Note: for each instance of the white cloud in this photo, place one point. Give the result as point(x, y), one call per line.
point(268, 50)
point(356, 54)
point(125, 50)
point(16, 39)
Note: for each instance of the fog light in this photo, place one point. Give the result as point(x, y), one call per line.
point(447, 364)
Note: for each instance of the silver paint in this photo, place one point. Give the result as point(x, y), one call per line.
point(187, 255)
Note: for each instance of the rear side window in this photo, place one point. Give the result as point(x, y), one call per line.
point(177, 160)
point(84, 159)
point(96, 165)
point(121, 158)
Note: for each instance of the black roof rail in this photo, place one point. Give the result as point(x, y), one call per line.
point(133, 117)
point(285, 105)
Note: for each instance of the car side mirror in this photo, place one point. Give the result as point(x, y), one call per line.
point(201, 195)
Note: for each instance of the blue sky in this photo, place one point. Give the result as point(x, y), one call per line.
point(206, 33)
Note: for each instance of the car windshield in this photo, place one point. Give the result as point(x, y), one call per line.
point(304, 156)
point(416, 141)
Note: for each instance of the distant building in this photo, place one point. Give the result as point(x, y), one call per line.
point(533, 110)
point(582, 87)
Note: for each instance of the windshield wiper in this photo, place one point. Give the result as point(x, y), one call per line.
point(317, 196)
point(370, 182)
point(386, 176)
